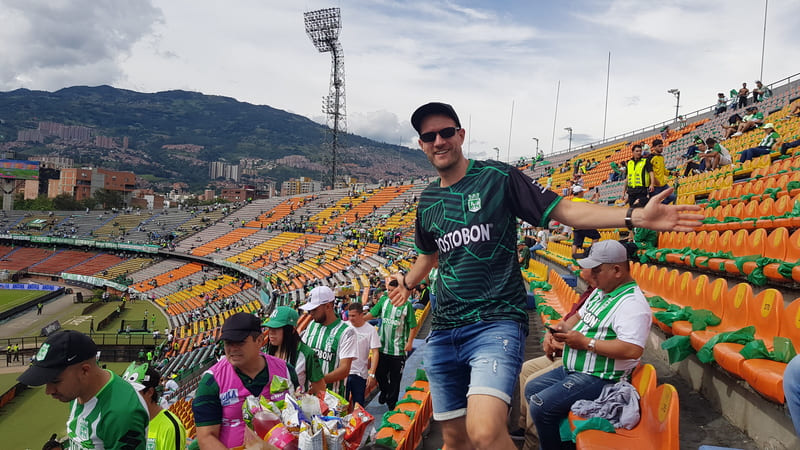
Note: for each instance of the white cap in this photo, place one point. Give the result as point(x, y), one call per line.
point(318, 296)
point(577, 189)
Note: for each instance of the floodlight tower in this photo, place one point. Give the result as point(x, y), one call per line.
point(323, 27)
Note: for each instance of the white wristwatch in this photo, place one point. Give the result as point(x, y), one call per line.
point(591, 345)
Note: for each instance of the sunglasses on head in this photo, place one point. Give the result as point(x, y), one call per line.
point(444, 133)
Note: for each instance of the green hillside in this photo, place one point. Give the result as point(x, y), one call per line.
point(226, 129)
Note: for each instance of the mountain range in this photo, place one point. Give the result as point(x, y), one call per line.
point(173, 136)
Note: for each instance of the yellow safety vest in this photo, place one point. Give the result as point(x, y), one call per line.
point(637, 177)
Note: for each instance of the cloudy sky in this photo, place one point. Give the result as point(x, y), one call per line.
point(481, 56)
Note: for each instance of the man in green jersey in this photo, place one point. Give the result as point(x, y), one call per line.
point(166, 431)
point(105, 411)
point(466, 221)
point(603, 342)
point(333, 341)
point(397, 332)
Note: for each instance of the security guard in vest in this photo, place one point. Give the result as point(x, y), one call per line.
point(639, 168)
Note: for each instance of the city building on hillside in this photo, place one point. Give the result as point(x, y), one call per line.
point(219, 169)
point(82, 183)
point(302, 185)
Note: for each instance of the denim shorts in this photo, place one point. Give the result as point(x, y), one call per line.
point(480, 358)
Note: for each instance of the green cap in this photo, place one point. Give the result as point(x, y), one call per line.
point(282, 316)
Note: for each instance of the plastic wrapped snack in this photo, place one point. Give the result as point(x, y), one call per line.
point(291, 415)
point(336, 403)
point(356, 426)
point(282, 438)
point(312, 406)
point(279, 384)
point(250, 407)
point(311, 438)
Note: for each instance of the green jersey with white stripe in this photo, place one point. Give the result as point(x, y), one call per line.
point(331, 343)
point(396, 325)
point(621, 314)
point(472, 225)
point(115, 418)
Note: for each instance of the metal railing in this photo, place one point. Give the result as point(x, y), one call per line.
point(657, 126)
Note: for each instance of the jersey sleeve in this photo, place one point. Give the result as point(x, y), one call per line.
point(526, 199)
point(347, 344)
point(632, 323)
point(206, 406)
point(423, 240)
point(126, 433)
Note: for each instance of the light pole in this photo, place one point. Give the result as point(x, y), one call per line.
point(677, 94)
point(570, 138)
point(497, 150)
point(537, 145)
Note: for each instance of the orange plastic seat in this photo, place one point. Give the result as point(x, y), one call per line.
point(739, 246)
point(658, 428)
point(643, 379)
point(701, 295)
point(765, 375)
point(734, 315)
point(764, 313)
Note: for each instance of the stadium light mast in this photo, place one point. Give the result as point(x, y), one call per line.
point(677, 94)
point(497, 150)
point(537, 144)
point(323, 27)
point(569, 129)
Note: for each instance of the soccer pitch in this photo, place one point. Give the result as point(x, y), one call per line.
point(10, 298)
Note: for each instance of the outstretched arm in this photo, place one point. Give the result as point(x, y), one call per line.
point(655, 216)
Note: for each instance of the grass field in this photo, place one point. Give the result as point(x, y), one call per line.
point(10, 298)
point(29, 420)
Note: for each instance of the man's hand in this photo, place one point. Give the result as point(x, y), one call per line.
point(573, 339)
point(398, 294)
point(552, 348)
point(371, 383)
point(660, 217)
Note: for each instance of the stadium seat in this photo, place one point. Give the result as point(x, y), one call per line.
point(733, 317)
point(764, 313)
point(701, 295)
point(658, 428)
point(766, 375)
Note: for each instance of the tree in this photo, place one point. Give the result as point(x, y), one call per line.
point(65, 202)
point(109, 199)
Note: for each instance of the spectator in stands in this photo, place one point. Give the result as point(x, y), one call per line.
point(597, 352)
point(732, 126)
point(760, 92)
point(424, 296)
point(753, 119)
point(794, 109)
point(786, 146)
point(333, 340)
point(579, 236)
point(722, 104)
point(714, 154)
point(480, 291)
point(533, 368)
point(104, 409)
point(658, 172)
point(638, 170)
point(166, 431)
point(244, 371)
point(284, 342)
point(791, 389)
point(764, 147)
point(743, 93)
point(361, 379)
point(397, 332)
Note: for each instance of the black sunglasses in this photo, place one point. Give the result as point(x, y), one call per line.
point(444, 133)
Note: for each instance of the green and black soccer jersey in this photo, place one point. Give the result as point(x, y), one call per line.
point(472, 225)
point(331, 343)
point(115, 418)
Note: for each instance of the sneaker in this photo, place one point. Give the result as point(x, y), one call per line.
point(738, 133)
point(382, 398)
point(518, 434)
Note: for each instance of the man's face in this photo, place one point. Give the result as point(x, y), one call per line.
point(356, 317)
point(443, 153)
point(606, 276)
point(68, 385)
point(657, 149)
point(319, 314)
point(242, 353)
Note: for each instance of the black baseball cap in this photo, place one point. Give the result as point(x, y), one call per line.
point(59, 351)
point(240, 325)
point(430, 109)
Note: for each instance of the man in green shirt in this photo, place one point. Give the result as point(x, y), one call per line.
point(105, 411)
point(764, 147)
point(466, 222)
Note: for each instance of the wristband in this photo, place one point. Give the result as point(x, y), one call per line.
point(629, 218)
point(372, 375)
point(591, 345)
point(406, 285)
